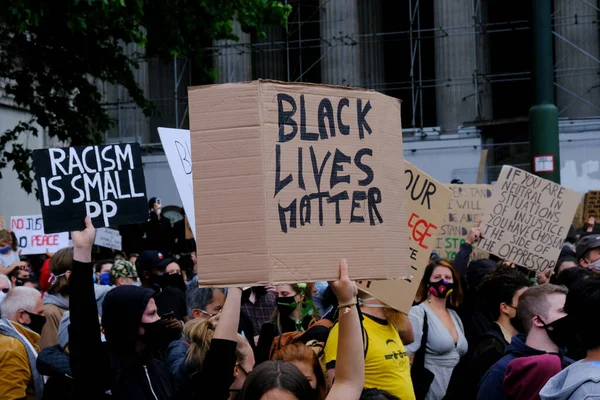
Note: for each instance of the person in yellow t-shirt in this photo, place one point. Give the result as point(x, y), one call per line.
point(387, 366)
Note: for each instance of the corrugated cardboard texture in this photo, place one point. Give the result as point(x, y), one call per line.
point(426, 205)
point(527, 219)
point(237, 148)
point(464, 211)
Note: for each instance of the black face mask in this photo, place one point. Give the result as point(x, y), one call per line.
point(20, 282)
point(175, 281)
point(559, 331)
point(159, 281)
point(155, 334)
point(286, 305)
point(37, 322)
point(441, 288)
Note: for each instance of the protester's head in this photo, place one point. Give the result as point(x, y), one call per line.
point(151, 269)
point(186, 264)
point(588, 252)
point(376, 394)
point(123, 273)
point(200, 333)
point(23, 305)
point(399, 320)
point(19, 277)
point(6, 241)
point(118, 255)
point(102, 269)
point(541, 313)
point(477, 270)
point(582, 305)
point(60, 267)
point(173, 268)
point(572, 276)
point(204, 303)
point(565, 263)
point(306, 360)
point(291, 298)
point(501, 290)
point(277, 380)
point(440, 280)
point(130, 321)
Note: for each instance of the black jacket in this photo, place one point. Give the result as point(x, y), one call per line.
point(53, 362)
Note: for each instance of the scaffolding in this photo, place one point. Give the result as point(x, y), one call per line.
point(450, 72)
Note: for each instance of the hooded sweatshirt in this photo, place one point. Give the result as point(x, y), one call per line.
point(491, 386)
point(580, 381)
point(115, 366)
point(526, 376)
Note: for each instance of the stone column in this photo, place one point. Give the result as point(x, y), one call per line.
point(460, 94)
point(371, 45)
point(233, 60)
point(577, 74)
point(340, 51)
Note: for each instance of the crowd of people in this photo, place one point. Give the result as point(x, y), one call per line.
point(138, 326)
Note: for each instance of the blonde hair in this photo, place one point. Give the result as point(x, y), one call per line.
point(200, 332)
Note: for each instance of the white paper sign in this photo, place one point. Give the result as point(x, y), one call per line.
point(29, 231)
point(176, 143)
point(109, 238)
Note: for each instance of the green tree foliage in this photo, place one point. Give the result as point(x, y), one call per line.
point(53, 52)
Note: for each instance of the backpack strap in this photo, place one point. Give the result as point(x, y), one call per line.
point(419, 358)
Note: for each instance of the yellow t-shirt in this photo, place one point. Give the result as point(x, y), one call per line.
point(386, 364)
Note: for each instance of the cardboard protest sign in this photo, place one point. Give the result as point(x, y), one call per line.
point(579, 217)
point(104, 182)
point(31, 238)
point(464, 211)
point(176, 143)
point(2, 223)
point(109, 238)
point(426, 203)
point(527, 219)
point(293, 178)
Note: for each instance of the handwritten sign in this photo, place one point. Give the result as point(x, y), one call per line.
point(31, 238)
point(527, 219)
point(176, 143)
point(464, 211)
point(426, 203)
point(104, 182)
point(592, 205)
point(109, 238)
point(290, 178)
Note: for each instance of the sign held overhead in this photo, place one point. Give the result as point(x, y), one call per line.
point(104, 182)
point(527, 219)
point(301, 176)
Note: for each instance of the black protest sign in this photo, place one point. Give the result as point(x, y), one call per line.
point(104, 182)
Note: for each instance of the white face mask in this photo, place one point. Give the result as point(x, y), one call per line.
point(363, 304)
point(2, 296)
point(594, 265)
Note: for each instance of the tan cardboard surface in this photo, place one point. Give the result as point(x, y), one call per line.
point(527, 219)
point(580, 217)
point(253, 165)
point(2, 223)
point(426, 203)
point(464, 211)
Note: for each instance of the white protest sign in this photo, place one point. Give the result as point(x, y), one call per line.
point(31, 238)
point(176, 143)
point(527, 219)
point(109, 238)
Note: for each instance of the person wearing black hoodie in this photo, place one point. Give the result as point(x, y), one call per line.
point(127, 368)
point(542, 316)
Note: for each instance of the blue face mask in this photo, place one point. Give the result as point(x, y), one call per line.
point(5, 250)
point(105, 279)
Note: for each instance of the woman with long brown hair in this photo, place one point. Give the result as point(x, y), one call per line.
point(295, 312)
point(439, 293)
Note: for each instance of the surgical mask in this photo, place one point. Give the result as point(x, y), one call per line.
point(5, 250)
point(286, 305)
point(105, 279)
point(594, 265)
point(371, 305)
point(441, 289)
point(37, 322)
point(559, 331)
